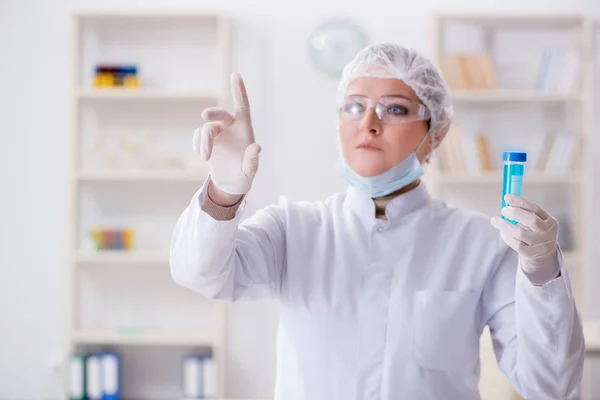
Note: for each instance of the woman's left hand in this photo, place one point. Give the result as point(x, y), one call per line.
point(535, 238)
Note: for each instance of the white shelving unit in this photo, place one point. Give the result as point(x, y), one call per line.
point(108, 257)
point(145, 95)
point(143, 178)
point(483, 191)
point(512, 96)
point(138, 176)
point(495, 178)
point(151, 338)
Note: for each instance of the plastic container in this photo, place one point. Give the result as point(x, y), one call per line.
point(514, 169)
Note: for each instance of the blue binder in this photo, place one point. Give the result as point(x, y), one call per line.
point(93, 382)
point(111, 376)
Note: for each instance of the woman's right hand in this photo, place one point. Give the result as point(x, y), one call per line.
point(226, 142)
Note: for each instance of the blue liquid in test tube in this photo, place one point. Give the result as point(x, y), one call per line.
point(514, 169)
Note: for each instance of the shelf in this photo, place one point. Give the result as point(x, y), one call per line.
point(591, 332)
point(181, 56)
point(117, 257)
point(144, 94)
point(523, 20)
point(143, 338)
point(512, 95)
point(140, 176)
point(496, 178)
point(121, 257)
point(146, 16)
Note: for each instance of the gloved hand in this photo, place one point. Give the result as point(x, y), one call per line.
point(535, 238)
point(226, 141)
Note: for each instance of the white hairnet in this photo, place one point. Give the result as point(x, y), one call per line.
point(390, 60)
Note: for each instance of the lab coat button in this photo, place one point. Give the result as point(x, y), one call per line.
point(380, 229)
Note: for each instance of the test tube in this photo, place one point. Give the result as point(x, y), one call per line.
point(514, 169)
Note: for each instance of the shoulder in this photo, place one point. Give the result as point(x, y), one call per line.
point(471, 238)
point(315, 212)
point(462, 224)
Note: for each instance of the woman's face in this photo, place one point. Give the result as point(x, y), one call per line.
point(372, 146)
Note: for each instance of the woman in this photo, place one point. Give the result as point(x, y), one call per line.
point(384, 290)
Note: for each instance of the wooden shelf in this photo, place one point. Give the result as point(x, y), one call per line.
point(496, 178)
point(140, 176)
point(142, 338)
point(512, 96)
point(120, 257)
point(144, 94)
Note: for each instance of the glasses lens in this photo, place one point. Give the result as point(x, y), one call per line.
point(399, 111)
point(353, 109)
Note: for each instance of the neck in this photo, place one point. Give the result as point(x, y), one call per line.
point(383, 201)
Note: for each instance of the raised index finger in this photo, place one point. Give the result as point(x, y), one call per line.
point(240, 96)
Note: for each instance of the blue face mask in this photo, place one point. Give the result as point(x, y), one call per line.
point(388, 182)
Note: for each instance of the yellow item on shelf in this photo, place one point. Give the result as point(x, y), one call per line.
point(131, 81)
point(128, 238)
point(104, 80)
point(97, 237)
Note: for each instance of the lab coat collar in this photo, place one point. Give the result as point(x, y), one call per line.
point(404, 204)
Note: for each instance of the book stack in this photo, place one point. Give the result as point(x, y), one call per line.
point(560, 154)
point(469, 154)
point(559, 71)
point(468, 71)
point(465, 154)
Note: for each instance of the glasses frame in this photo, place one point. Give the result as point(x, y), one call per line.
point(423, 113)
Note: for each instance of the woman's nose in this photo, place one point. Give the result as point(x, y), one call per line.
point(371, 123)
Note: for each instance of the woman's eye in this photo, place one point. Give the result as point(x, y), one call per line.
point(397, 110)
point(353, 108)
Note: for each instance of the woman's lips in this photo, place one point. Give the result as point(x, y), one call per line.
point(368, 146)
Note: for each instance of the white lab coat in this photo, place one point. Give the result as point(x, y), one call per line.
point(386, 309)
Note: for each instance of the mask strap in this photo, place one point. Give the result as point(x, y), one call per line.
point(421, 145)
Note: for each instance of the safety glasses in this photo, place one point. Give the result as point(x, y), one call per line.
point(393, 110)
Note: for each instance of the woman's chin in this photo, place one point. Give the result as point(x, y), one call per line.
point(368, 170)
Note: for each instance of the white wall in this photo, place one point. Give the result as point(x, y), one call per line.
point(293, 108)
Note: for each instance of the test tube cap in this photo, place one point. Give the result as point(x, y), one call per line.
point(517, 156)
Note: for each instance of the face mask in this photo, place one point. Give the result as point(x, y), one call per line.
point(388, 182)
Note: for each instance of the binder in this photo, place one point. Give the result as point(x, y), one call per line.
point(209, 369)
point(93, 384)
point(111, 376)
point(193, 387)
point(76, 388)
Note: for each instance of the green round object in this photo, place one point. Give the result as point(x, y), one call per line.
point(334, 43)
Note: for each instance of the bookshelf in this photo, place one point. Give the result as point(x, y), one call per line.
point(107, 257)
point(146, 95)
point(132, 167)
point(511, 96)
point(509, 83)
point(124, 176)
